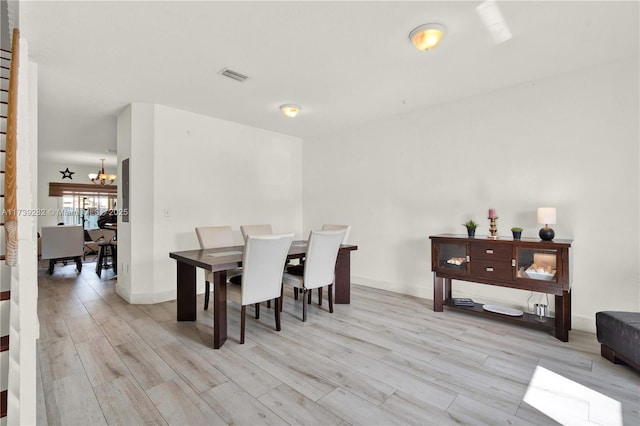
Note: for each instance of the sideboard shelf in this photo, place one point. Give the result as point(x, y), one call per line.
point(526, 319)
point(527, 264)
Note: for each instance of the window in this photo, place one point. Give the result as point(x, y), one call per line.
point(82, 204)
point(85, 209)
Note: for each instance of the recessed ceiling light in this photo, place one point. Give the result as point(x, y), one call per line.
point(290, 110)
point(427, 36)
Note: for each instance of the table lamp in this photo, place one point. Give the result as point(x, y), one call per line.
point(546, 216)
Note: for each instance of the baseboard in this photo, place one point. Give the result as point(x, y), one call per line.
point(146, 298)
point(580, 322)
point(392, 287)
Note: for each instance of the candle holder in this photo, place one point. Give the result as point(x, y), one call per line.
point(493, 228)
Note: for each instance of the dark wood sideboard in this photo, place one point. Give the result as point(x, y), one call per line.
point(505, 262)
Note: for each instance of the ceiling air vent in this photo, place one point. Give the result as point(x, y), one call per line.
point(233, 74)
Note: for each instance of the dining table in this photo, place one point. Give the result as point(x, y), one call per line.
point(220, 260)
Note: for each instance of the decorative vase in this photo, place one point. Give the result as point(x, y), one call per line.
point(471, 232)
point(517, 235)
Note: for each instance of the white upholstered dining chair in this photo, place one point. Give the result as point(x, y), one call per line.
point(347, 230)
point(262, 268)
point(255, 230)
point(215, 237)
point(299, 269)
point(319, 266)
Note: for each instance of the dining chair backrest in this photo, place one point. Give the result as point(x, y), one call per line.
point(320, 261)
point(214, 236)
point(62, 241)
point(255, 230)
point(347, 229)
point(262, 265)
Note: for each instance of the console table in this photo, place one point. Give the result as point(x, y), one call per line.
point(527, 264)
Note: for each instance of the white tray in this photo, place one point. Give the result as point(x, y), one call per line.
point(544, 276)
point(502, 310)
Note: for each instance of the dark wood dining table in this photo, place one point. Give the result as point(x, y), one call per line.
point(219, 261)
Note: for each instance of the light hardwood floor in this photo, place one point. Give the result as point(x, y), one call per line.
point(385, 359)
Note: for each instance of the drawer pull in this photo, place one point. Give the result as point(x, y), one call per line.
point(489, 251)
point(468, 259)
point(489, 269)
point(513, 262)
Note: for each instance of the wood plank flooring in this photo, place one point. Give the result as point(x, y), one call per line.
point(386, 359)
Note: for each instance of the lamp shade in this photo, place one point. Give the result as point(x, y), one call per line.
point(427, 36)
point(547, 215)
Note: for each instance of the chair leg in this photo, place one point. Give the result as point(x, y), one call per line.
point(330, 297)
point(207, 289)
point(257, 305)
point(281, 297)
point(268, 304)
point(243, 313)
point(319, 296)
point(304, 305)
point(295, 293)
point(277, 311)
point(309, 296)
point(100, 260)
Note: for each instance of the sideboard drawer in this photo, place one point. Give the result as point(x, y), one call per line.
point(502, 252)
point(491, 269)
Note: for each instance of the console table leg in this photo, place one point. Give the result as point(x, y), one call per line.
point(447, 288)
point(437, 293)
point(563, 316)
point(568, 308)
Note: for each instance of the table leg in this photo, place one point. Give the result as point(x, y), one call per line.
point(563, 316)
point(568, 308)
point(447, 288)
point(342, 288)
point(219, 309)
point(186, 292)
point(437, 293)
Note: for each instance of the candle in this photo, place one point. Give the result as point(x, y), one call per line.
point(492, 214)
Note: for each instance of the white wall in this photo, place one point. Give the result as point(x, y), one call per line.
point(189, 170)
point(569, 141)
point(50, 172)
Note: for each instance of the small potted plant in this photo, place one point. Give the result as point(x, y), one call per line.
point(517, 232)
point(471, 228)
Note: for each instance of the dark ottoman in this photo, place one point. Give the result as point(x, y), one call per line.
point(619, 335)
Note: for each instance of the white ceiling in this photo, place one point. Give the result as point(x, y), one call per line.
point(346, 63)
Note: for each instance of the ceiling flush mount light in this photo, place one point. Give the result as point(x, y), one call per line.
point(101, 178)
point(290, 110)
point(427, 36)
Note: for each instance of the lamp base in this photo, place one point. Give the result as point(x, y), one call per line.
point(546, 234)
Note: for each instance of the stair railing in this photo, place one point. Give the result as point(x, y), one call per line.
point(10, 201)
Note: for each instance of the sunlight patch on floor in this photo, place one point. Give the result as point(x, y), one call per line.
point(570, 403)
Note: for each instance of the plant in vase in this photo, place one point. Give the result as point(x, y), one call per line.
point(471, 228)
point(517, 232)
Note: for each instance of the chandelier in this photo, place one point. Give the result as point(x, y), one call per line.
point(101, 178)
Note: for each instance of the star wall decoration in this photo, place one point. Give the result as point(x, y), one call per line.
point(66, 173)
